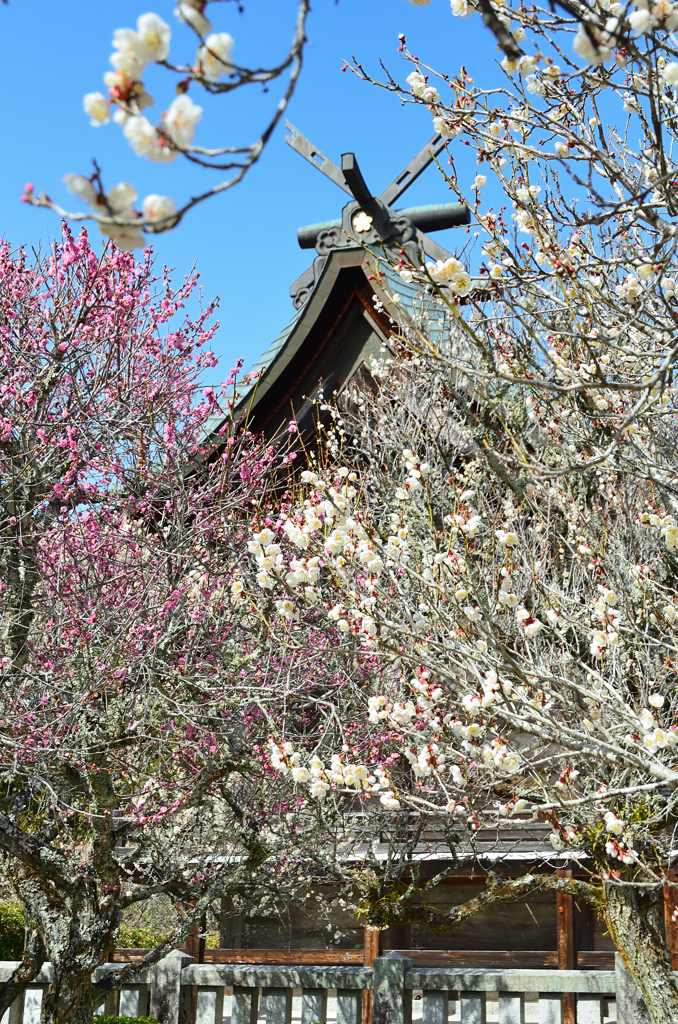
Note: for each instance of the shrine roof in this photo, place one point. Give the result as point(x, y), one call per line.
point(328, 292)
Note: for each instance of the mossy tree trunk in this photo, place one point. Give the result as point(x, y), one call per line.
point(634, 916)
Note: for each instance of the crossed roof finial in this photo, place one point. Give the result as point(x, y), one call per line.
point(370, 219)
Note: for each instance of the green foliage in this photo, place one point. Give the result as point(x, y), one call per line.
point(146, 937)
point(125, 1020)
point(11, 930)
point(139, 937)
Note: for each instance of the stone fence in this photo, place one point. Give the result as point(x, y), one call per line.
point(178, 990)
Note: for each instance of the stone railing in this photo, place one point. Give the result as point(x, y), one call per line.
point(177, 990)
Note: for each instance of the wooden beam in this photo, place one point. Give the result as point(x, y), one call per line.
point(565, 937)
point(354, 178)
point(314, 156)
point(371, 945)
point(671, 916)
point(601, 960)
point(195, 943)
point(321, 957)
point(595, 959)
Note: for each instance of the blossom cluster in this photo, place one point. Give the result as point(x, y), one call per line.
point(665, 524)
point(134, 49)
point(450, 275)
point(342, 775)
point(127, 99)
point(119, 203)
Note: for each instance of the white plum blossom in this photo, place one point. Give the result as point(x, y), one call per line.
point(429, 94)
point(153, 36)
point(591, 44)
point(533, 628)
point(181, 119)
point(416, 82)
point(630, 288)
point(527, 65)
point(452, 274)
point(214, 57)
point(97, 108)
point(641, 21)
point(535, 85)
point(156, 207)
point(647, 719)
point(128, 58)
point(443, 127)
point(135, 49)
point(121, 199)
point(146, 140)
point(613, 824)
point(81, 187)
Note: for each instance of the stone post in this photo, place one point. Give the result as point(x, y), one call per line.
point(167, 1006)
point(391, 1001)
point(631, 1008)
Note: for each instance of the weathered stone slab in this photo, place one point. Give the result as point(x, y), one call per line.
point(473, 1008)
point(391, 1000)
point(485, 979)
point(245, 1005)
point(166, 1002)
point(631, 1008)
point(550, 1008)
point(313, 1006)
point(254, 976)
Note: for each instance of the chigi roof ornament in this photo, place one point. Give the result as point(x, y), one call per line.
point(369, 220)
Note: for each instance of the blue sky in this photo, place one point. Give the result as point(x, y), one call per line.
point(244, 242)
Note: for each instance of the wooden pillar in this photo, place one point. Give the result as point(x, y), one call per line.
point(371, 949)
point(565, 933)
point(671, 916)
point(195, 943)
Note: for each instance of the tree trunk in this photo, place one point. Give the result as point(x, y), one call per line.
point(70, 998)
point(634, 917)
point(77, 929)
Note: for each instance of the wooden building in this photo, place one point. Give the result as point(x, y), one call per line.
point(343, 317)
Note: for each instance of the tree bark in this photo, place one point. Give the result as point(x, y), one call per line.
point(70, 997)
point(77, 923)
point(33, 959)
point(634, 917)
